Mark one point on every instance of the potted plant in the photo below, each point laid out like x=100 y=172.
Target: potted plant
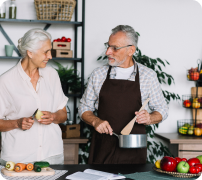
x=69 y=79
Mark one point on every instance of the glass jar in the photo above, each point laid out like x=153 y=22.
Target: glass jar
x=3 y=11
x=12 y=10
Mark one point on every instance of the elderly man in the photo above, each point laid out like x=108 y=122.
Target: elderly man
x=117 y=91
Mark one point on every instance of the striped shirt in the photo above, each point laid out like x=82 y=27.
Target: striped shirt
x=149 y=88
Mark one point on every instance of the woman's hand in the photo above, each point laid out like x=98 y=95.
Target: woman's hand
x=25 y=123
x=47 y=118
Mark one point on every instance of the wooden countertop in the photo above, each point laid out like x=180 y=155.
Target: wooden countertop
x=175 y=138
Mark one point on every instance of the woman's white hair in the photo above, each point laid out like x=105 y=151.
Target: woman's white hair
x=31 y=40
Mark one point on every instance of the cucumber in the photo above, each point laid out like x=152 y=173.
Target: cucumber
x=42 y=164
x=37 y=168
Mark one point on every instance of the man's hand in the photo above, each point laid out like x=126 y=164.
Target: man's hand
x=47 y=118
x=102 y=127
x=25 y=123
x=143 y=117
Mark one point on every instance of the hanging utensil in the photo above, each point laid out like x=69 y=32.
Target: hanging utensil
x=127 y=129
x=199 y=63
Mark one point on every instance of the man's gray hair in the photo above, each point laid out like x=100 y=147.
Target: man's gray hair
x=129 y=31
x=31 y=40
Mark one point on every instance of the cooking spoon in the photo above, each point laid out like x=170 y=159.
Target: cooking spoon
x=127 y=129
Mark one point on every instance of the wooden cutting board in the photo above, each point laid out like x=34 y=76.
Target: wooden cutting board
x=44 y=172
x=197 y=111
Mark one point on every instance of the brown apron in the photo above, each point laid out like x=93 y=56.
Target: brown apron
x=118 y=101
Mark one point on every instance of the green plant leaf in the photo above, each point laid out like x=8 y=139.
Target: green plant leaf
x=105 y=57
x=159 y=60
x=159 y=68
x=99 y=58
x=137 y=33
x=169 y=81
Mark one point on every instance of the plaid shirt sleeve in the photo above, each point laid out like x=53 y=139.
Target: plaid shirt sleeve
x=150 y=88
x=157 y=102
x=90 y=98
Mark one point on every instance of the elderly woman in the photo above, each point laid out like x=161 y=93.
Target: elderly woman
x=28 y=86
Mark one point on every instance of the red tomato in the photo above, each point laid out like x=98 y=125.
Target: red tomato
x=55 y=40
x=59 y=45
x=192 y=170
x=184 y=159
x=197 y=169
x=178 y=159
x=63 y=38
x=199 y=165
x=68 y=40
x=58 y=40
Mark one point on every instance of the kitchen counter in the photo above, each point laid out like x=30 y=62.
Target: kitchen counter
x=182 y=146
x=115 y=168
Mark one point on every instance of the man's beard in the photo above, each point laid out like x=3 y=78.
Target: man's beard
x=116 y=63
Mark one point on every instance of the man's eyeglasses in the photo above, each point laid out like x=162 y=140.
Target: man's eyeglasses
x=114 y=48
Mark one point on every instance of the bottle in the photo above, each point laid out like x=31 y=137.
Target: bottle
x=12 y=10
x=3 y=10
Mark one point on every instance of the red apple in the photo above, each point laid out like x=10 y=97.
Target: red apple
x=178 y=159
x=193 y=161
x=55 y=40
x=184 y=159
x=58 y=40
x=168 y=164
x=199 y=165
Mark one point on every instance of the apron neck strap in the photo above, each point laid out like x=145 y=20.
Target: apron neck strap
x=108 y=73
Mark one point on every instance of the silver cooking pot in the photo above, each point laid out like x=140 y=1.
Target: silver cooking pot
x=132 y=140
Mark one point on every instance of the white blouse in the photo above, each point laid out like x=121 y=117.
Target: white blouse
x=18 y=99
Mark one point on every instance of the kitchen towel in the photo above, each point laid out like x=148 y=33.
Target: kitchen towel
x=57 y=174
x=154 y=175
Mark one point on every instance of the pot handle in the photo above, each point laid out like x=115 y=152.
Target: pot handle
x=115 y=134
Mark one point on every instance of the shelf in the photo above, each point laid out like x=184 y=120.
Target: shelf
x=17 y=57
x=77 y=25
x=42 y=21
x=191 y=107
